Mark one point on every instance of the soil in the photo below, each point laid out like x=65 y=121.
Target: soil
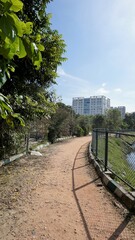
x=58 y=196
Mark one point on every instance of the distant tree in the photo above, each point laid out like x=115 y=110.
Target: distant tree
x=99 y=121
x=113 y=119
x=85 y=122
x=79 y=132
x=130 y=120
x=62 y=122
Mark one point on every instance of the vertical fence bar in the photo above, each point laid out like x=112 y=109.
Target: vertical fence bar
x=106 y=150
x=96 y=131
x=92 y=143
x=27 y=144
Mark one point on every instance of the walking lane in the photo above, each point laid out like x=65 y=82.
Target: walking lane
x=68 y=200
x=101 y=218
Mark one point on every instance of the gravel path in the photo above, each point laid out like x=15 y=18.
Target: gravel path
x=58 y=196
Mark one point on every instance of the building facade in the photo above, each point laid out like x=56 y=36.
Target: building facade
x=78 y=105
x=91 y=106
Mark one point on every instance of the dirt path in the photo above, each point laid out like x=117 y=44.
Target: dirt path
x=59 y=197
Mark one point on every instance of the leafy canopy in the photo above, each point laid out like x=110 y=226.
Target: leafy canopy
x=15 y=38
x=29 y=55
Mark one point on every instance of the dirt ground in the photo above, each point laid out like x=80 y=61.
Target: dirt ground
x=58 y=196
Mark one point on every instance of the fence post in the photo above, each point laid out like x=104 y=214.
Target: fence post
x=27 y=144
x=106 y=150
x=96 y=142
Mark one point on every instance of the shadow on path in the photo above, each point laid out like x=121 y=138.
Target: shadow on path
x=121 y=227
x=75 y=189
x=74 y=192
x=118 y=229
x=81 y=166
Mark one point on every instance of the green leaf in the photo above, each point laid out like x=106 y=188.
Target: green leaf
x=31 y=102
x=38 y=38
x=21 y=49
x=6 y=5
x=5 y=106
x=17 y=5
x=41 y=47
x=29 y=28
x=3 y=97
x=4 y=1
x=17 y=115
x=37 y=59
x=14 y=48
x=3 y=114
x=3 y=79
x=11 y=68
x=7 y=29
x=7 y=72
x=9 y=121
x=17 y=24
x=34 y=47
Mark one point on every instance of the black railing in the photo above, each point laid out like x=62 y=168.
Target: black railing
x=20 y=144
x=115 y=151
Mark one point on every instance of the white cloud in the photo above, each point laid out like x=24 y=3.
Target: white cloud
x=103 y=84
x=102 y=91
x=61 y=72
x=118 y=90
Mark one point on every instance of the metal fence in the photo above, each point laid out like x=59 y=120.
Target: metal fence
x=19 y=143
x=115 y=151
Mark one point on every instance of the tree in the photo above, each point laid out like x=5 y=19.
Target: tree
x=15 y=38
x=29 y=55
x=62 y=122
x=27 y=80
x=79 y=132
x=130 y=120
x=85 y=123
x=99 y=121
x=113 y=119
x=15 y=41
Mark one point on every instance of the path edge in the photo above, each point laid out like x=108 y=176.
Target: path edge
x=127 y=198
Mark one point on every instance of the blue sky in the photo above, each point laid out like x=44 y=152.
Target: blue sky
x=100 y=39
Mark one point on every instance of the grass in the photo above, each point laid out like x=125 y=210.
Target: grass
x=118 y=148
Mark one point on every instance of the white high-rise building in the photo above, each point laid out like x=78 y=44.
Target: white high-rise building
x=91 y=106
x=78 y=105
